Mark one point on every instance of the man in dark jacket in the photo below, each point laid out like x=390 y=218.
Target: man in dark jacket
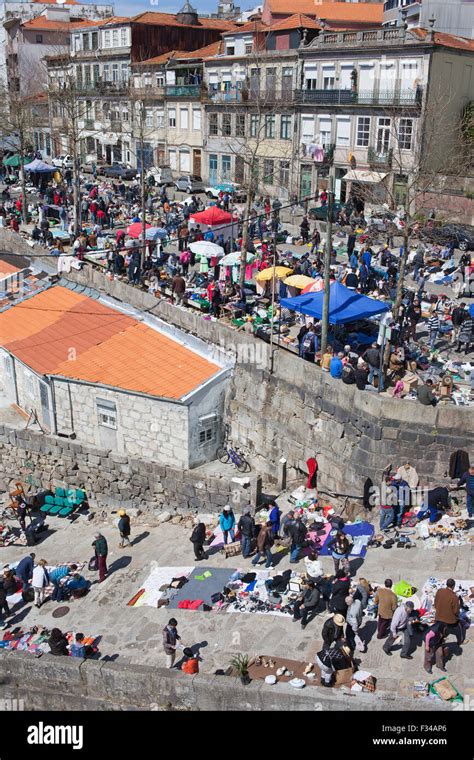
x=458 y=316
x=101 y=551
x=124 y=529
x=287 y=522
x=198 y=536
x=333 y=630
x=425 y=394
x=447 y=607
x=468 y=479
x=24 y=571
x=297 y=532
x=264 y=544
x=306 y=604
x=246 y=526
x=170 y=641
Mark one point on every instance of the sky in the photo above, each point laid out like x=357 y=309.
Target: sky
x=130 y=8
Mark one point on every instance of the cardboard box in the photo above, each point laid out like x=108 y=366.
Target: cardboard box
x=410 y=382
x=343 y=676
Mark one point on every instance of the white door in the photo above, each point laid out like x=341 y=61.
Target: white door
x=366 y=82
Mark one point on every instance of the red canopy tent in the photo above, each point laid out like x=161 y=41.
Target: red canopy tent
x=212 y=217
x=135 y=230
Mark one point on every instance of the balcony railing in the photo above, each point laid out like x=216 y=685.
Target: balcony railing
x=387 y=98
x=240 y=94
x=183 y=90
x=102 y=86
x=379 y=158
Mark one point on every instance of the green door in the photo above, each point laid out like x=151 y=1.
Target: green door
x=306 y=175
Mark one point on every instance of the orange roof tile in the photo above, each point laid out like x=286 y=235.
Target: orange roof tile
x=6 y=269
x=41 y=22
x=158 y=59
x=60 y=332
x=362 y=12
x=297 y=21
x=169 y=19
x=446 y=40
x=209 y=50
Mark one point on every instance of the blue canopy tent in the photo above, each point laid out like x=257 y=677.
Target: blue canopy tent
x=40 y=167
x=345 y=305
x=471 y=310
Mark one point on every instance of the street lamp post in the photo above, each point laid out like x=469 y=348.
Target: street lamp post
x=327 y=264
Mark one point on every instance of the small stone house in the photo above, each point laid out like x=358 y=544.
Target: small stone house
x=112 y=379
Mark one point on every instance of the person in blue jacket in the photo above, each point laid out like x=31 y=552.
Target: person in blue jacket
x=227 y=523
x=274 y=518
x=24 y=571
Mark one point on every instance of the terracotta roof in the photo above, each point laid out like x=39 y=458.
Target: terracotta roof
x=169 y=19
x=362 y=12
x=108 y=21
x=41 y=22
x=110 y=347
x=446 y=40
x=297 y=21
x=250 y=26
x=213 y=49
x=6 y=269
x=158 y=59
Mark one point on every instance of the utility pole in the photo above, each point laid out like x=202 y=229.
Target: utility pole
x=327 y=264
x=272 y=325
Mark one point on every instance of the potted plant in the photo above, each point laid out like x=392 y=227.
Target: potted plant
x=240 y=663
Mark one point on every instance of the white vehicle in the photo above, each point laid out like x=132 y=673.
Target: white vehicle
x=162 y=176
x=63 y=162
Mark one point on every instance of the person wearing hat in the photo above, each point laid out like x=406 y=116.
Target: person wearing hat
x=227 y=523
x=246 y=526
x=331 y=659
x=124 y=529
x=191 y=663
x=333 y=629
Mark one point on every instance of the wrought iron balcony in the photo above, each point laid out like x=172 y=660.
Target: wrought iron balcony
x=183 y=90
x=379 y=158
x=389 y=98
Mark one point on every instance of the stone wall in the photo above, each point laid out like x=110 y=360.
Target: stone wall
x=116 y=480
x=67 y=683
x=298 y=411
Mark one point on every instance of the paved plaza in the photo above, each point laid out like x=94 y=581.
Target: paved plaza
x=133 y=635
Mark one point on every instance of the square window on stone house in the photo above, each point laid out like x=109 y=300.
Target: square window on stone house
x=207 y=429
x=106 y=413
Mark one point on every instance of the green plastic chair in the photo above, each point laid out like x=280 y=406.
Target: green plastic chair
x=59 y=501
x=71 y=494
x=56 y=509
x=80 y=495
x=60 y=492
x=49 y=499
x=65 y=512
x=45 y=508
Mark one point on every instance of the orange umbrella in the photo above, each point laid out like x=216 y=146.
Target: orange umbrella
x=314 y=287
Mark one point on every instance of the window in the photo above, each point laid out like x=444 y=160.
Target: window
x=147 y=80
x=248 y=48
x=125 y=72
x=95 y=72
x=125 y=116
x=213 y=168
x=107 y=39
x=123 y=38
x=230 y=49
x=172 y=159
x=287 y=81
x=77 y=42
x=383 y=135
x=115 y=37
x=285 y=174
x=30 y=388
x=184 y=161
x=183 y=118
x=115 y=72
x=87 y=74
x=95 y=40
x=268 y=169
x=343 y=132
x=207 y=429
x=254 y=82
x=253 y=124
x=270 y=82
x=172 y=117
x=160 y=80
x=213 y=125
x=405 y=134
x=240 y=125
x=329 y=77
x=85 y=42
x=39 y=39
x=148 y=117
x=363 y=131
x=285 y=127
x=106 y=413
x=160 y=119
x=197 y=119
x=226 y=124
x=226 y=172
x=311 y=76
x=270 y=126
x=307 y=129
x=106 y=72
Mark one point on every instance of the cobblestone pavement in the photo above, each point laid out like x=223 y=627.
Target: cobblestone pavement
x=134 y=635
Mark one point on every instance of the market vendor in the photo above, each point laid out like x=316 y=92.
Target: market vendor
x=436 y=502
x=330 y=660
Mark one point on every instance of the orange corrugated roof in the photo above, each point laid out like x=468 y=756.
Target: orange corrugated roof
x=41 y=22
x=209 y=50
x=60 y=332
x=297 y=21
x=446 y=40
x=169 y=19
x=157 y=59
x=6 y=268
x=363 y=12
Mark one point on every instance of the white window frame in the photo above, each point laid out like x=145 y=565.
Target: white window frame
x=401 y=138
x=172 y=118
x=343 y=141
x=365 y=132
x=184 y=118
x=106 y=413
x=197 y=119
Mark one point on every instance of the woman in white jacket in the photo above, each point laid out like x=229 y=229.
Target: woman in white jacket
x=40 y=581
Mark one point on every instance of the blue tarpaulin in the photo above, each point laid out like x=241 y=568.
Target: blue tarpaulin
x=345 y=305
x=360 y=532
x=471 y=310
